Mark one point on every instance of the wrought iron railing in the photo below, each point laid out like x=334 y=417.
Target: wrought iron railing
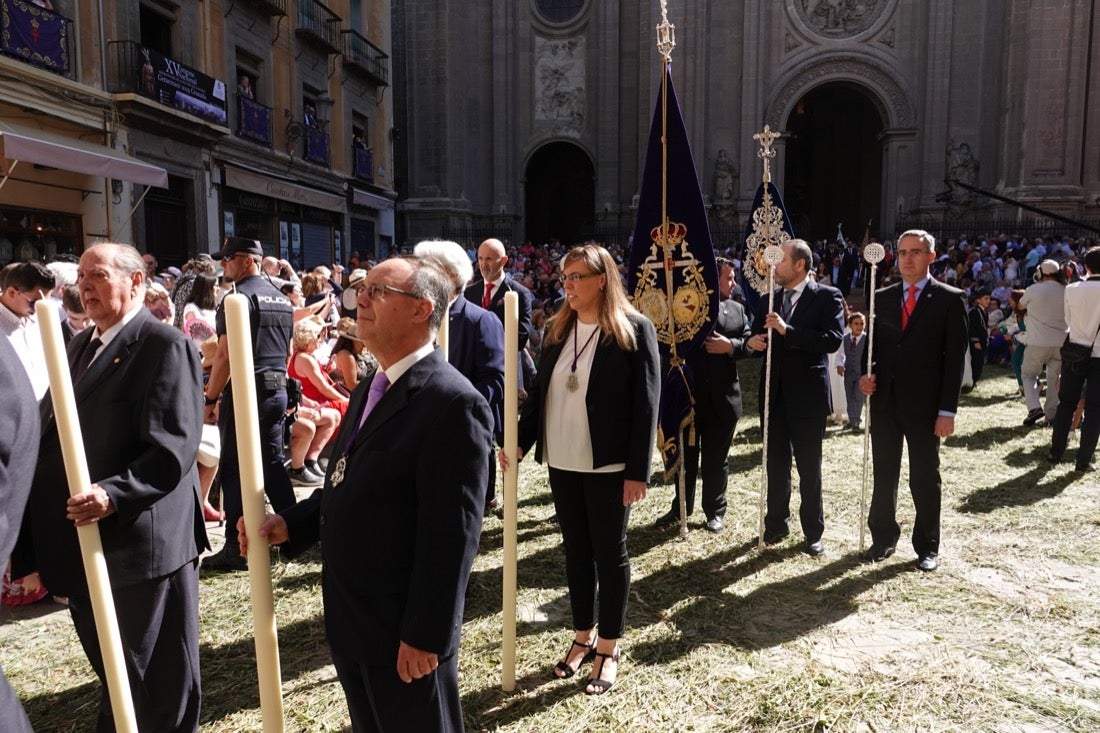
x=37 y=36
x=318 y=24
x=948 y=227
x=361 y=54
x=271 y=7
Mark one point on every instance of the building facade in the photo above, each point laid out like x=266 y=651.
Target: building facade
x=171 y=124
x=529 y=119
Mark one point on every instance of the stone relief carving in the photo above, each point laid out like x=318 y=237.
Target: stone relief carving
x=790 y=42
x=839 y=18
x=560 y=82
x=887 y=38
x=889 y=97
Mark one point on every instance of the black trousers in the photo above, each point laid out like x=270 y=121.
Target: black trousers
x=379 y=702
x=713 y=437
x=1074 y=381
x=889 y=427
x=977 y=362
x=593 y=530
x=800 y=439
x=158 y=621
x=271 y=406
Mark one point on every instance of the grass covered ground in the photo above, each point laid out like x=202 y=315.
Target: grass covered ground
x=722 y=637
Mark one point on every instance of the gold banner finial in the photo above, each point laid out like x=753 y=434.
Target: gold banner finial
x=666 y=34
x=766 y=151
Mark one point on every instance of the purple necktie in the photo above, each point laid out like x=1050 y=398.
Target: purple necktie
x=378 y=388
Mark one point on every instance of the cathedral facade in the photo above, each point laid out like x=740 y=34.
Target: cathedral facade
x=528 y=119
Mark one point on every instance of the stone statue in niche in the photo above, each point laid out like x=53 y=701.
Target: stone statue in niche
x=961 y=167
x=725 y=177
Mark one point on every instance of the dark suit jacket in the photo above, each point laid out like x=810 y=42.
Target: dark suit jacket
x=800 y=359
x=717 y=388
x=475 y=347
x=18 y=448
x=399 y=534
x=475 y=291
x=624 y=388
x=978 y=326
x=920 y=370
x=140 y=408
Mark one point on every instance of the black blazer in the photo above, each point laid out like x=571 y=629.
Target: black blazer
x=716 y=386
x=800 y=359
x=140 y=410
x=475 y=292
x=624 y=388
x=399 y=533
x=18 y=448
x=978 y=326
x=921 y=370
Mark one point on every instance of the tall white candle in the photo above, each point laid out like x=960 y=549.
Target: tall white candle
x=511 y=481
x=443 y=336
x=247 y=422
x=91 y=545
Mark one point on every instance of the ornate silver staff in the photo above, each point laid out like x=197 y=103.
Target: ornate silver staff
x=773 y=255
x=874 y=253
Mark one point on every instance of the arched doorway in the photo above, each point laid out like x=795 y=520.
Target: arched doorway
x=833 y=170
x=561 y=194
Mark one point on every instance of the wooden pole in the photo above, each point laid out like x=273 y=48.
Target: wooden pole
x=247 y=423
x=91 y=545
x=511 y=483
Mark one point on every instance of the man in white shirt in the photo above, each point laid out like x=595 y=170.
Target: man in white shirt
x=1044 y=303
x=24 y=285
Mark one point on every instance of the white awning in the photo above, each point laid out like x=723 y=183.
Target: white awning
x=18 y=142
x=362 y=198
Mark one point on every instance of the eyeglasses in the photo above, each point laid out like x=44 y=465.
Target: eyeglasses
x=376 y=291
x=31 y=301
x=576 y=277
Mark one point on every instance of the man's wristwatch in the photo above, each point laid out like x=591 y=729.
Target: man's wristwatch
x=210 y=400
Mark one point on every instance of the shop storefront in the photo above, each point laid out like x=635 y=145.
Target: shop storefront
x=294 y=222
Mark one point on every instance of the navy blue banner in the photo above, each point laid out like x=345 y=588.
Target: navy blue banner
x=768 y=225
x=171 y=83
x=35 y=34
x=673 y=276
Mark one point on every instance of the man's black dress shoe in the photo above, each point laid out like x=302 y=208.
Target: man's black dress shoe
x=815 y=549
x=668 y=519
x=774 y=538
x=928 y=563
x=878 y=553
x=714 y=524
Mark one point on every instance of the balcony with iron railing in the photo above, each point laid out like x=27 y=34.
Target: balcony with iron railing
x=254 y=121
x=37 y=36
x=316 y=146
x=138 y=69
x=271 y=7
x=362 y=55
x=318 y=25
x=362 y=164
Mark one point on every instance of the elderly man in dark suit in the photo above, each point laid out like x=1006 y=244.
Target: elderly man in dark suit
x=18 y=448
x=717 y=406
x=475 y=343
x=400 y=514
x=808 y=327
x=914 y=383
x=138 y=389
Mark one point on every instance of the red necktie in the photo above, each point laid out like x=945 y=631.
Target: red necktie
x=488 y=296
x=907 y=309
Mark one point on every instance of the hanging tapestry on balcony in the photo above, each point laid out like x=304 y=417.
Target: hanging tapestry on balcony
x=35 y=35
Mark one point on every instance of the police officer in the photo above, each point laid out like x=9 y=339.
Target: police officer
x=271 y=316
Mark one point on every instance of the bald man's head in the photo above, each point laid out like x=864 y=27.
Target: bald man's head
x=491 y=259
